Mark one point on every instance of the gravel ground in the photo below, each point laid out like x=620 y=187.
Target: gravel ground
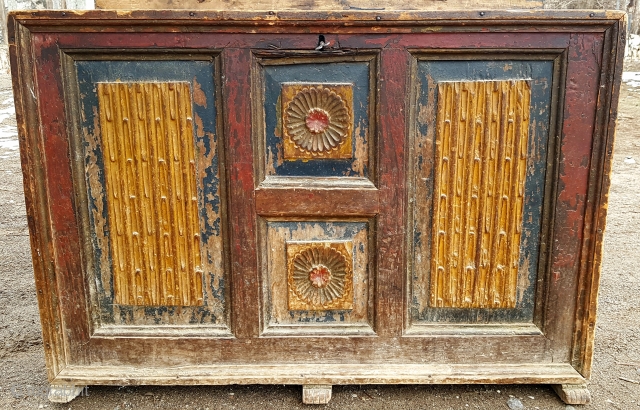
x=617 y=352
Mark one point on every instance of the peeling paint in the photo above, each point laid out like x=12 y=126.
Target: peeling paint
x=361 y=151
x=275 y=280
x=215 y=309
x=199 y=126
x=199 y=97
x=429 y=74
x=352 y=75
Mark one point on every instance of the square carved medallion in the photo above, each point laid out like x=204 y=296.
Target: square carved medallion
x=320 y=275
x=317 y=121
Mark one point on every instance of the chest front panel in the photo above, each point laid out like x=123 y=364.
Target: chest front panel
x=407 y=197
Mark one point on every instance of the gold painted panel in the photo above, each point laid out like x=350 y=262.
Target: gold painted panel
x=480 y=171
x=320 y=275
x=148 y=146
x=317 y=121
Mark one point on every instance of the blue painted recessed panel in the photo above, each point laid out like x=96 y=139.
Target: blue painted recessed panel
x=200 y=74
x=354 y=73
x=540 y=74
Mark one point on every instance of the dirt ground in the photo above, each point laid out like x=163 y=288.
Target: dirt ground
x=617 y=352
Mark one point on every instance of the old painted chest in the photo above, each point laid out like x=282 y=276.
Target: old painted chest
x=317 y=198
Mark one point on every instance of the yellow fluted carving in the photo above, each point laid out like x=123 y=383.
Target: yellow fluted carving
x=148 y=147
x=480 y=171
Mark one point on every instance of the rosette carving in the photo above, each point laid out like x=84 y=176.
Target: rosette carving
x=320 y=276
x=317 y=121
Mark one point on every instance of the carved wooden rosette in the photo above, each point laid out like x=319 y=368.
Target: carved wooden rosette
x=317 y=121
x=320 y=275
x=480 y=172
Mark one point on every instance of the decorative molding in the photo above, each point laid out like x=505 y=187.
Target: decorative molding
x=320 y=275
x=480 y=171
x=317 y=121
x=152 y=200
x=243 y=5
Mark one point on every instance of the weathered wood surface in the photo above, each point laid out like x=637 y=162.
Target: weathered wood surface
x=237 y=127
x=314 y=5
x=300 y=22
x=393 y=110
x=373 y=209
x=291 y=306
x=601 y=164
x=304 y=201
x=573 y=393
x=391 y=373
x=85 y=73
x=36 y=203
x=316 y=393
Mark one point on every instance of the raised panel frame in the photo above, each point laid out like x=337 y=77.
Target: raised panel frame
x=363 y=160
x=558 y=59
x=308 y=200
x=138 y=320
x=353 y=318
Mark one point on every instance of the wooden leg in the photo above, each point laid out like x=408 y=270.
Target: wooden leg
x=573 y=393
x=316 y=393
x=64 y=394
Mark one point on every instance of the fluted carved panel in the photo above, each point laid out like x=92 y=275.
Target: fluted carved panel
x=148 y=147
x=480 y=172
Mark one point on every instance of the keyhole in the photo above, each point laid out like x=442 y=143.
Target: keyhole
x=322 y=43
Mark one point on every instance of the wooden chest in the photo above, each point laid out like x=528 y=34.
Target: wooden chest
x=317 y=198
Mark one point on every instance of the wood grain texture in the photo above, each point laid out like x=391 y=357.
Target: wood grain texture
x=573 y=173
x=149 y=160
x=321 y=373
x=63 y=244
x=573 y=393
x=305 y=201
x=499 y=34
x=308 y=5
x=36 y=201
x=418 y=22
x=316 y=393
x=598 y=196
x=245 y=317
x=341 y=346
x=481 y=159
x=392 y=113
